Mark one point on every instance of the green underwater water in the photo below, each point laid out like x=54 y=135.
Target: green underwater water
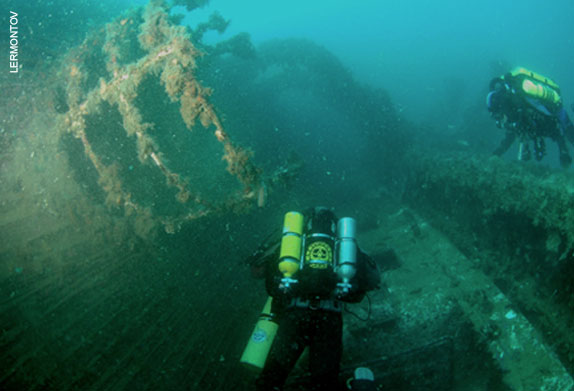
x=97 y=297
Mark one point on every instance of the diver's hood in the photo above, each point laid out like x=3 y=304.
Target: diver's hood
x=321 y=220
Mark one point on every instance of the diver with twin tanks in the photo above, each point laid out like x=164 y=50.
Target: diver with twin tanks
x=529 y=107
x=309 y=273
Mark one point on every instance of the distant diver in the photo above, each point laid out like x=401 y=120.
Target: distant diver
x=529 y=106
x=311 y=268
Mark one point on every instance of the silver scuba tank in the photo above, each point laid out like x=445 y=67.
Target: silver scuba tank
x=346 y=253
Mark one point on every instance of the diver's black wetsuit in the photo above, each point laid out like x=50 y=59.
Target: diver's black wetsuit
x=309 y=314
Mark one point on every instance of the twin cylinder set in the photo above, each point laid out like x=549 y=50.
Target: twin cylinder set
x=291 y=254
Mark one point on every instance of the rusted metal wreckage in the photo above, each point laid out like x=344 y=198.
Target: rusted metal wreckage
x=108 y=71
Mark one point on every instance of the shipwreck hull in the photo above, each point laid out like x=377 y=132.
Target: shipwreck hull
x=514 y=222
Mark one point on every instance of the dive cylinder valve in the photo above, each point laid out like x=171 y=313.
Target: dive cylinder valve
x=347 y=253
x=259 y=344
x=291 y=244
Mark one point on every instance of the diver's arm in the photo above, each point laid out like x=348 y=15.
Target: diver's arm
x=505 y=143
x=261 y=259
x=265 y=253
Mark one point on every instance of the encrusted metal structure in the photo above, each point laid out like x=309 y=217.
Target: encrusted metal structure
x=108 y=75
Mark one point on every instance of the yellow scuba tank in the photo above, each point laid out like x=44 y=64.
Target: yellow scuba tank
x=520 y=71
x=261 y=339
x=540 y=91
x=291 y=244
x=537 y=85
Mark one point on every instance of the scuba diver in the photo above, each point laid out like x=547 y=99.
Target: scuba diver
x=529 y=106
x=314 y=268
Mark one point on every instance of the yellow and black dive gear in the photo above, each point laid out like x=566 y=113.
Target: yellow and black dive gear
x=291 y=244
x=537 y=86
x=314 y=252
x=261 y=339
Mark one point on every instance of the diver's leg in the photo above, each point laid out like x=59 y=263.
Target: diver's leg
x=505 y=143
x=285 y=351
x=539 y=148
x=325 y=350
x=566 y=125
x=565 y=159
